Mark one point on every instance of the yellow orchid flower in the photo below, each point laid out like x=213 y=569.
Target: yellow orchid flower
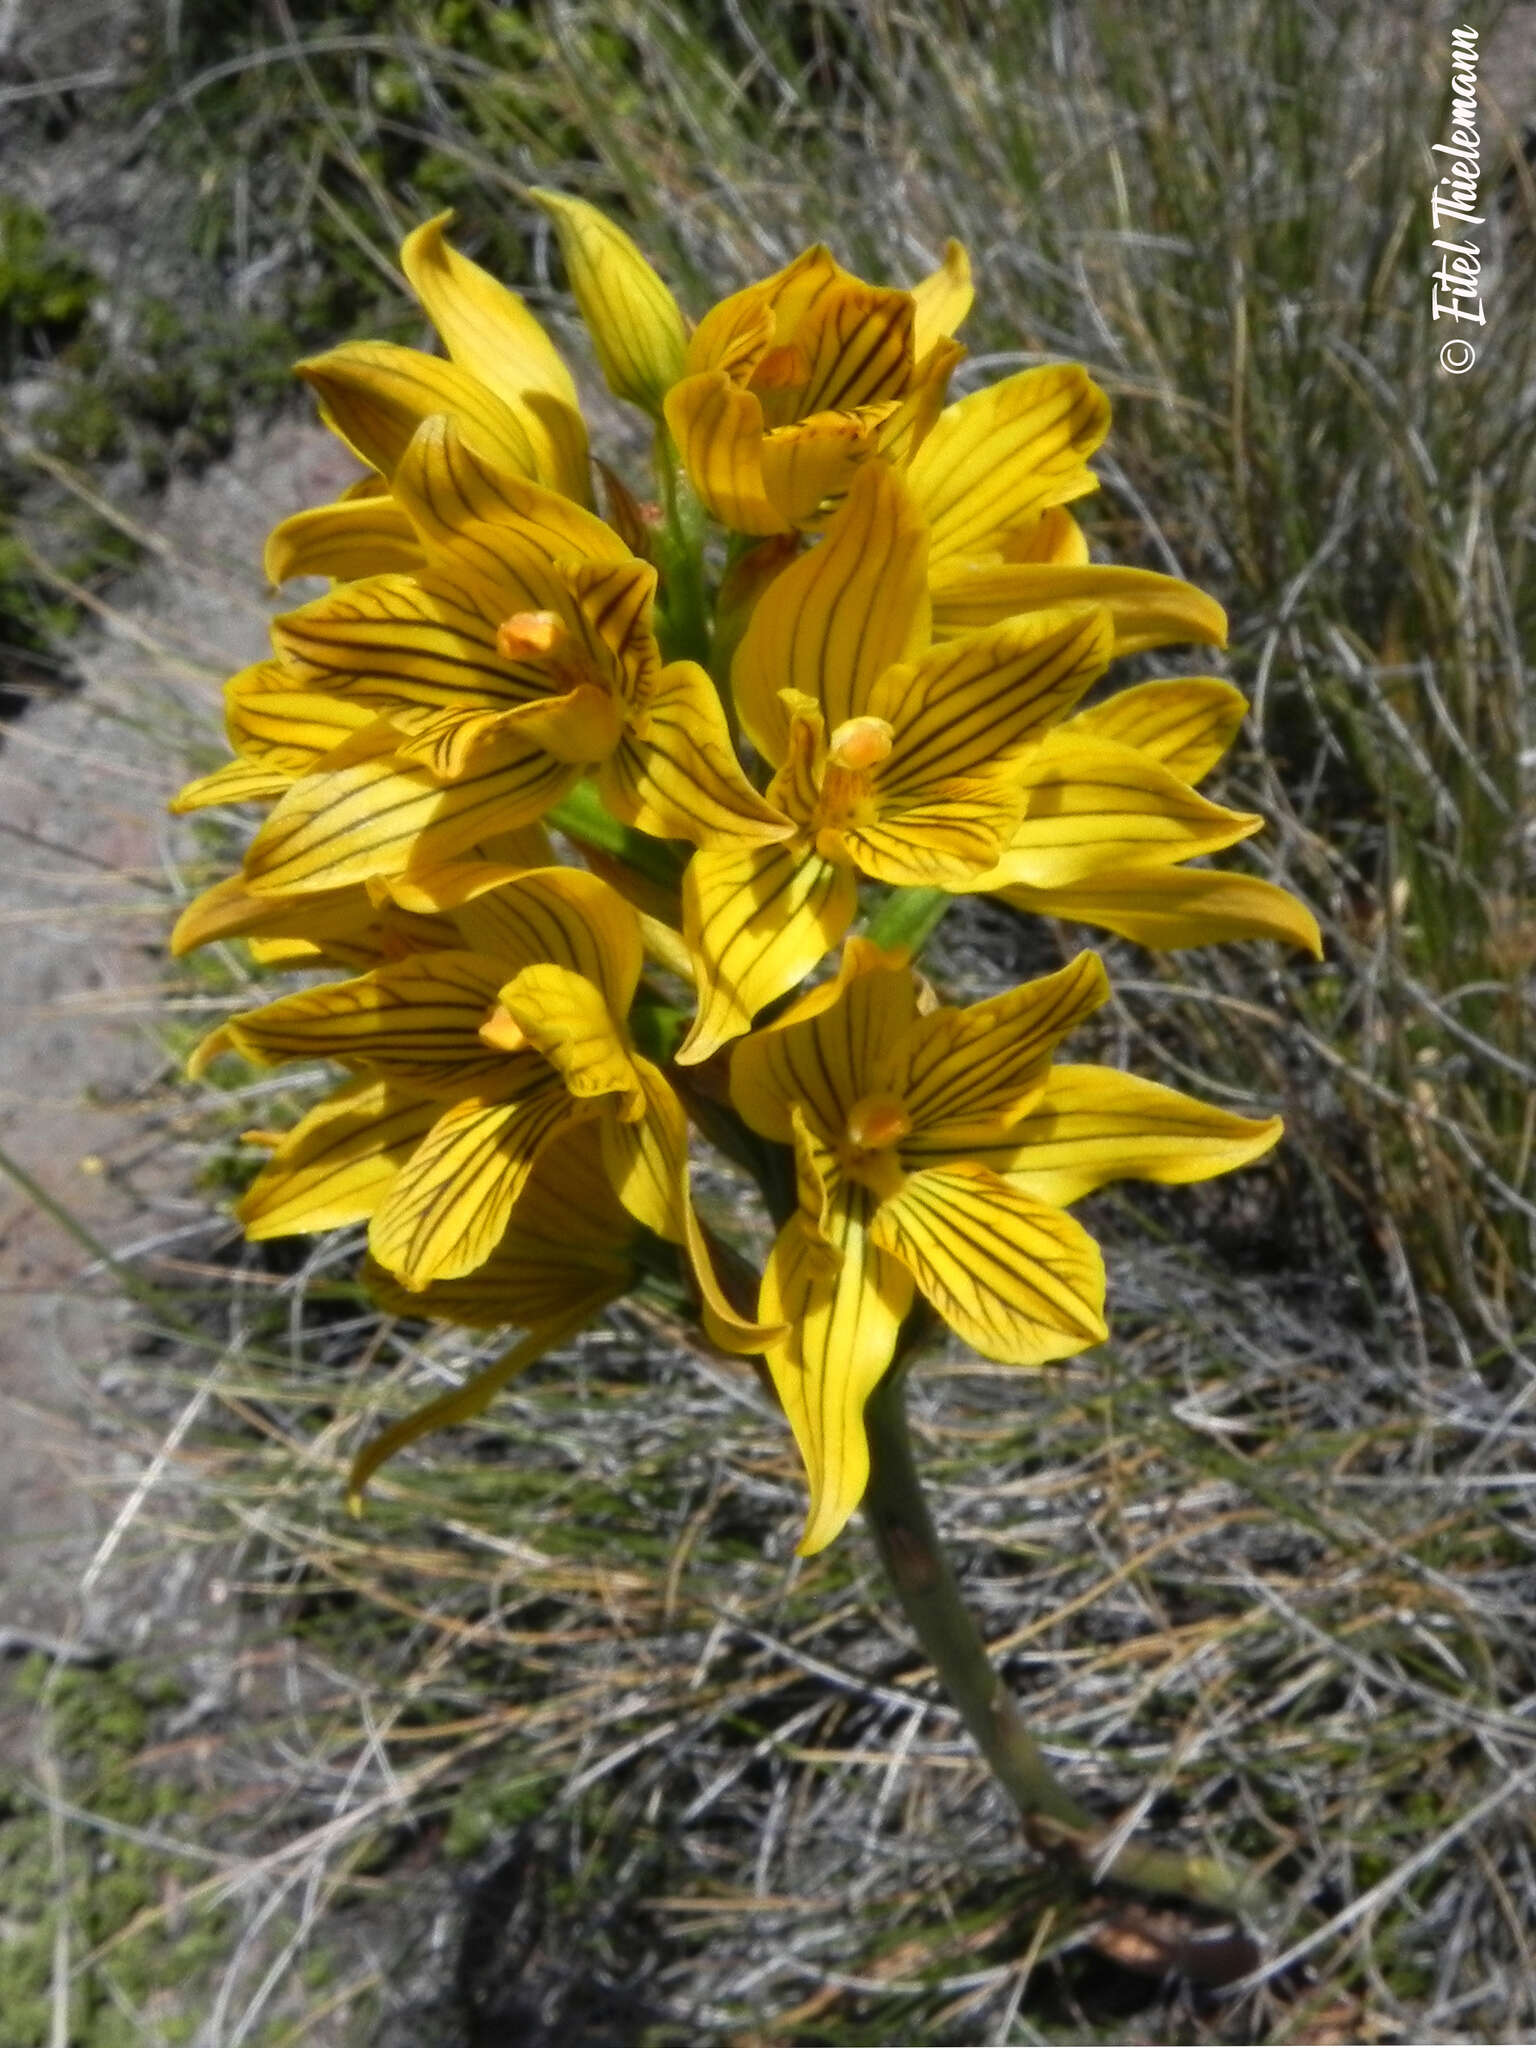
x=934 y=1155
x=521 y=657
x=1110 y=811
x=484 y=1058
x=789 y=386
x=569 y=1250
x=909 y=621
x=896 y=759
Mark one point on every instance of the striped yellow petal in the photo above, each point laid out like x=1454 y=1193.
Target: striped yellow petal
x=237 y=782
x=271 y=718
x=719 y=429
x=391 y=934
x=569 y=1221
x=840 y=1335
x=937 y=838
x=484 y=521
x=376 y=395
x=856 y=344
x=579 y=727
x=334 y=1166
x=358 y=537
x=371 y=817
x=818 y=1179
x=1094 y=1124
x=416 y=1020
x=391 y=641
x=1092 y=805
x=1167 y=909
x=611 y=607
x=229 y=910
x=637 y=331
x=1146 y=609
x=448 y=1207
x=553 y=914
x=1014 y=1277
x=1186 y=723
x=733 y=336
x=582 y=726
x=675 y=774
x=999 y=457
x=839 y=616
x=491 y=333
x=959 y=1073
x=968 y=704
x=942 y=299
x=826 y=1051
x=756 y=919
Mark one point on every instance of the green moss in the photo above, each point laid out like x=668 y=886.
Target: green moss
x=489 y=1805
x=46 y=290
x=100 y=1724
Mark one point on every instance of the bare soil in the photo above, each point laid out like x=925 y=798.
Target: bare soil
x=89 y=885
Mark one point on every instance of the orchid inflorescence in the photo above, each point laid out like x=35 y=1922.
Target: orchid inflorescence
x=534 y=769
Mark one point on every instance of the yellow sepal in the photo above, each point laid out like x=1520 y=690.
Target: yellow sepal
x=491 y=333
x=357 y=537
x=414 y=1021
x=1092 y=805
x=1169 y=908
x=942 y=299
x=1187 y=722
x=1092 y=1125
x=841 y=1327
x=1146 y=609
x=372 y=817
x=839 y=616
x=375 y=395
x=719 y=431
x=757 y=918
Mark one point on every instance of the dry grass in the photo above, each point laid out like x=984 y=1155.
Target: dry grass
x=560 y=1743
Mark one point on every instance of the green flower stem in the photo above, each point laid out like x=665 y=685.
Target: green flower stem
x=1054 y=1822
x=686 y=608
x=909 y=917
x=583 y=816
